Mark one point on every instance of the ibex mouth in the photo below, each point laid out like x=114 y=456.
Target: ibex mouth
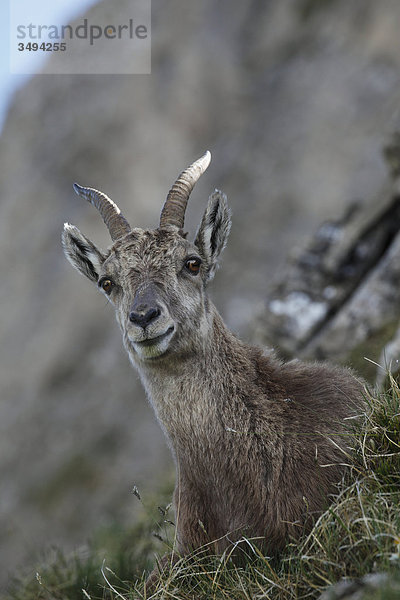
x=155 y=346
x=157 y=339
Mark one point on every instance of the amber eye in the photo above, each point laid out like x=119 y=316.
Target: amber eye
x=106 y=285
x=193 y=265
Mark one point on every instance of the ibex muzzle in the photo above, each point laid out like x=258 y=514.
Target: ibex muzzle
x=145 y=308
x=150 y=328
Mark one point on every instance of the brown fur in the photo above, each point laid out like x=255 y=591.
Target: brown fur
x=252 y=440
x=258 y=444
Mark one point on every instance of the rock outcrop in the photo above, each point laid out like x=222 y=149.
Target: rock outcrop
x=339 y=297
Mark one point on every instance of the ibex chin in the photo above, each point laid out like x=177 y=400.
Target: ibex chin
x=258 y=444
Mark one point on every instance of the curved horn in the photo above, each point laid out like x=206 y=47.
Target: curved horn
x=117 y=225
x=173 y=212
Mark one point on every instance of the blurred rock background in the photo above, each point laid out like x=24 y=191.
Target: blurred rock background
x=294 y=98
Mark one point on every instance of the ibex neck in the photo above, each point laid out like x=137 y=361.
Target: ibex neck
x=191 y=395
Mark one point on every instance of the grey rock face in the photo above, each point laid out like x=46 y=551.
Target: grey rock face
x=292 y=103
x=373 y=585
x=342 y=287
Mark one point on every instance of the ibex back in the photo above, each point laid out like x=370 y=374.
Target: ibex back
x=258 y=444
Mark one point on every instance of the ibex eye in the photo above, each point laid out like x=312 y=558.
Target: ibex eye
x=193 y=265
x=106 y=285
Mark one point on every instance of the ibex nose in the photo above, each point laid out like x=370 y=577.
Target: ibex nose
x=144 y=316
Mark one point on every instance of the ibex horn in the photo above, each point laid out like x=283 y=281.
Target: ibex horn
x=116 y=224
x=173 y=212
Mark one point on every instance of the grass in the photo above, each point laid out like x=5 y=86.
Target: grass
x=113 y=550
x=359 y=534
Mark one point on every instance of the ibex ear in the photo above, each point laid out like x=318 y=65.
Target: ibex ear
x=213 y=232
x=81 y=252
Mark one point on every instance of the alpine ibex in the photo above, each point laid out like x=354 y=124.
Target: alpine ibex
x=258 y=444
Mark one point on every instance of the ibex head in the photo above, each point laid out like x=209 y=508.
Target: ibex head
x=155 y=278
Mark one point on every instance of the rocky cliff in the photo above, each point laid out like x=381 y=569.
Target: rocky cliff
x=293 y=98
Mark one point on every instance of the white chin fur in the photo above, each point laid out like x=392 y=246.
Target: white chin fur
x=147 y=351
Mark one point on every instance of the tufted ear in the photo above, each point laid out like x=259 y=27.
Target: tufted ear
x=213 y=232
x=81 y=252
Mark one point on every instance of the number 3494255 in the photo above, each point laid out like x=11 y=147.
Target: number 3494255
x=44 y=46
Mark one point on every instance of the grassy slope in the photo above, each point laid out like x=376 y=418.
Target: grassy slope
x=359 y=534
